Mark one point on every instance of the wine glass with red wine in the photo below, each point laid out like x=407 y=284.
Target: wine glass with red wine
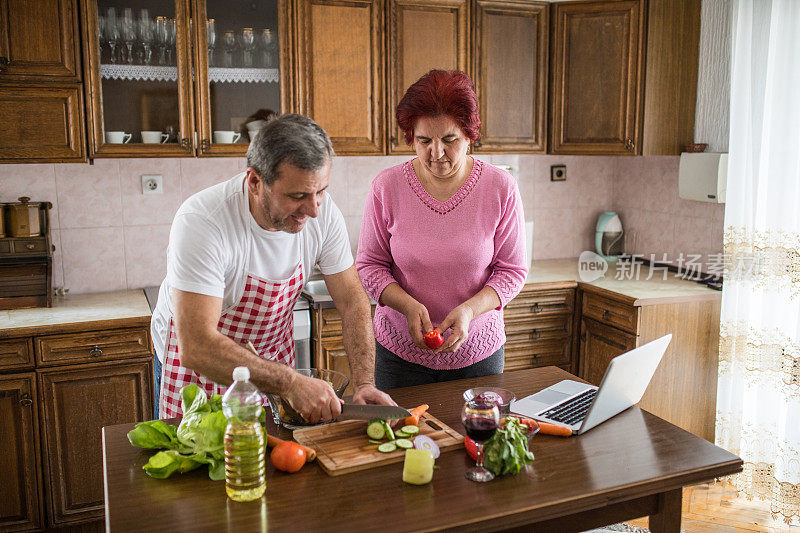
x=480 y=419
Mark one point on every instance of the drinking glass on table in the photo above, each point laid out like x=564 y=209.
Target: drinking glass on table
x=480 y=419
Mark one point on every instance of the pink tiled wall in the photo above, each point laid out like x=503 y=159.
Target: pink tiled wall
x=109 y=236
x=658 y=223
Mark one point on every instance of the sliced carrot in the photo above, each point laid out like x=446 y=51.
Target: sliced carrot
x=273 y=441
x=416 y=412
x=544 y=427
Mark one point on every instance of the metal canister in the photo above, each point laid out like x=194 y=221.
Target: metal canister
x=24 y=219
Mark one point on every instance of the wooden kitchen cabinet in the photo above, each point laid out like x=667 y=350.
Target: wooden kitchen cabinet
x=20 y=465
x=38 y=41
x=539 y=328
x=59 y=385
x=600 y=343
x=217 y=70
x=41 y=123
x=596 y=77
x=76 y=403
x=683 y=388
x=623 y=77
x=340 y=74
x=422 y=35
x=327 y=343
x=41 y=106
x=510 y=49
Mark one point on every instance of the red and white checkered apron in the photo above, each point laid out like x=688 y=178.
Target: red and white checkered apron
x=262 y=316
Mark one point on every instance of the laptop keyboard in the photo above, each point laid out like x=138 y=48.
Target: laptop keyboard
x=572 y=411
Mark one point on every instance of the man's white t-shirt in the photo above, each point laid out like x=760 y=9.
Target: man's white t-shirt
x=208 y=250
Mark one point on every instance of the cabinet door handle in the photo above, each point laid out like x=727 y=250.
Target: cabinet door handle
x=605 y=314
x=185 y=143
x=583 y=337
x=393 y=139
x=629 y=145
x=534 y=334
x=3 y=63
x=26 y=401
x=95 y=351
x=535 y=308
x=477 y=143
x=205 y=145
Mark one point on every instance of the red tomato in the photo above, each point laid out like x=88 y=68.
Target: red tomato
x=434 y=339
x=288 y=456
x=472 y=448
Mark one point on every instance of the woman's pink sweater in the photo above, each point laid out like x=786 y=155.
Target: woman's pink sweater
x=442 y=254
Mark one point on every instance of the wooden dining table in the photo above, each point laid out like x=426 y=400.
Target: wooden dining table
x=633 y=465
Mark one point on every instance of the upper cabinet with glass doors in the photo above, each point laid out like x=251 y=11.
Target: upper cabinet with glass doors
x=183 y=77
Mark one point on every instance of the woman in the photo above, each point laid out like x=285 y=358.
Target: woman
x=441 y=244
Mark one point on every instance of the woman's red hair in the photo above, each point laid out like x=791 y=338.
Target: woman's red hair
x=437 y=93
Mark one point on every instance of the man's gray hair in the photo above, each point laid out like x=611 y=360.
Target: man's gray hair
x=293 y=138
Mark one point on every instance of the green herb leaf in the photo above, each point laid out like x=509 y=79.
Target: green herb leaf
x=507 y=451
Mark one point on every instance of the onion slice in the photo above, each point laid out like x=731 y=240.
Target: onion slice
x=424 y=442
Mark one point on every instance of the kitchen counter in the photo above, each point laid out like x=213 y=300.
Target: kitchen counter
x=632 y=465
x=76 y=311
x=622 y=280
x=632 y=284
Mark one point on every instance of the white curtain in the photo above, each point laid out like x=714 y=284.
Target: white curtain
x=758 y=396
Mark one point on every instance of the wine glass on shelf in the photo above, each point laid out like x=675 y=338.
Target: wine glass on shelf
x=160 y=30
x=247 y=40
x=146 y=32
x=266 y=41
x=170 y=39
x=211 y=39
x=229 y=42
x=111 y=33
x=128 y=30
x=101 y=35
x=480 y=419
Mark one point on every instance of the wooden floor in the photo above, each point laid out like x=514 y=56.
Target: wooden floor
x=717 y=508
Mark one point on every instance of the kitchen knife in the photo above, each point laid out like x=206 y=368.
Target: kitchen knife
x=351 y=411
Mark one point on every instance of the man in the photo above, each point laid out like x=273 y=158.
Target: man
x=238 y=257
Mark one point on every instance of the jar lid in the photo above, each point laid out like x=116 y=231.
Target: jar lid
x=24 y=200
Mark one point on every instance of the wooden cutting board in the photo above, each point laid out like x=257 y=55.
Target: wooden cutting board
x=342 y=447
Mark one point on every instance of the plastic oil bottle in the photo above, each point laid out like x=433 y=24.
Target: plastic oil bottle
x=244 y=441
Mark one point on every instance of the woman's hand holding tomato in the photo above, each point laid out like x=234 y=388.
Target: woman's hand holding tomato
x=419 y=322
x=458 y=322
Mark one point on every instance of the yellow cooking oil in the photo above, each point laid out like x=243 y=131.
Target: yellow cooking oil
x=244 y=461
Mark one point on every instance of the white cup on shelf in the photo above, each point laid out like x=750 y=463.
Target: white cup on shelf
x=118 y=137
x=154 y=137
x=226 y=137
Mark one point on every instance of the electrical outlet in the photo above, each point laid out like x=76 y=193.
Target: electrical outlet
x=558 y=173
x=152 y=184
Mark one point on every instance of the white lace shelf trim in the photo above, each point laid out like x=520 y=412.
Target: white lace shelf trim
x=168 y=73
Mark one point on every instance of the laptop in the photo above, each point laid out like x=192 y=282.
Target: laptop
x=580 y=406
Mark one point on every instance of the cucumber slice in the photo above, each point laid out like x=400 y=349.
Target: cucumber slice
x=372 y=441
x=376 y=429
x=411 y=430
x=387 y=447
x=388 y=430
x=400 y=434
x=404 y=443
